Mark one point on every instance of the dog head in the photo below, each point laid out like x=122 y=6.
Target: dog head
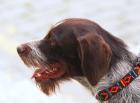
x=71 y=48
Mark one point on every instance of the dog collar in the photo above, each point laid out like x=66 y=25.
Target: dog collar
x=107 y=93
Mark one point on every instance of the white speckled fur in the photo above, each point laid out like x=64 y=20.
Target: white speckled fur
x=130 y=94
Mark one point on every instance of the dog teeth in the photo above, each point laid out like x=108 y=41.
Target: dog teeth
x=51 y=71
x=38 y=74
x=46 y=71
x=54 y=69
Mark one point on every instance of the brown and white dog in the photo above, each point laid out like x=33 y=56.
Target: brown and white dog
x=82 y=50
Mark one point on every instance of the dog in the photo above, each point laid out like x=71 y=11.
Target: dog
x=82 y=50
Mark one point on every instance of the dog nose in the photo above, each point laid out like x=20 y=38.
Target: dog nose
x=23 y=49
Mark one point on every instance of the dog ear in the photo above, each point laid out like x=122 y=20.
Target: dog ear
x=95 y=55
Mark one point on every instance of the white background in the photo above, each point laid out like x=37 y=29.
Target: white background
x=25 y=20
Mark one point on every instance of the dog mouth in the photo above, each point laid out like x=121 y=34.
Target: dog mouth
x=45 y=73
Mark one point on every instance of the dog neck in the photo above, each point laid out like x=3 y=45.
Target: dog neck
x=129 y=94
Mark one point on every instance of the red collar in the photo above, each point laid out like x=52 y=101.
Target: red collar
x=107 y=93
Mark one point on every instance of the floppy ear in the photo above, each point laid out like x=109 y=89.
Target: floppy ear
x=95 y=55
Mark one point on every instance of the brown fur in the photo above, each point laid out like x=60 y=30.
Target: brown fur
x=84 y=49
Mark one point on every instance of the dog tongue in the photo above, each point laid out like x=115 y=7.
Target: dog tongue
x=41 y=75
